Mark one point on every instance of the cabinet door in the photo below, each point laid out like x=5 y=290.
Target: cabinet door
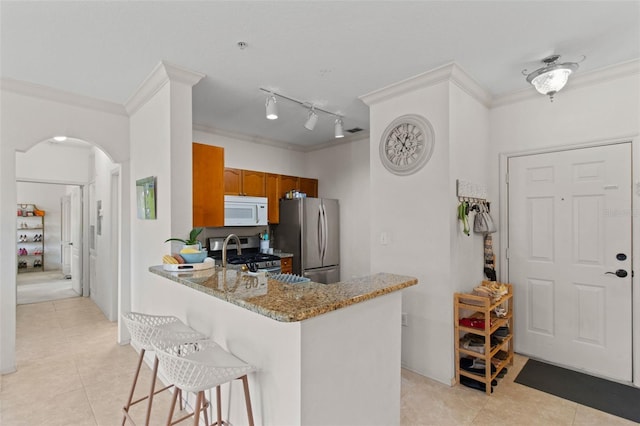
x=273 y=197
x=309 y=186
x=208 y=185
x=232 y=181
x=253 y=183
x=287 y=183
x=286 y=265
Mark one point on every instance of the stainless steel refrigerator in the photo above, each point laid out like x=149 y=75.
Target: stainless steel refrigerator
x=310 y=229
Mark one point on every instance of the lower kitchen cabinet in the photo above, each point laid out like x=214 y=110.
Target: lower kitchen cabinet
x=483 y=325
x=286 y=265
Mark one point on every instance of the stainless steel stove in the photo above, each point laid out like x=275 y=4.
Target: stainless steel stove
x=250 y=256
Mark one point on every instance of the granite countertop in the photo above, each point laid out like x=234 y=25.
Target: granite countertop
x=286 y=302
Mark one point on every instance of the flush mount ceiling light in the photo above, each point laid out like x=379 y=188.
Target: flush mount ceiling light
x=272 y=108
x=338 y=128
x=553 y=76
x=312 y=118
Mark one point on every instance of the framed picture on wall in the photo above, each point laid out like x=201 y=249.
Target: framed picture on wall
x=146 y=197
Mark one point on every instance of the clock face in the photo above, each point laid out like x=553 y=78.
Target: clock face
x=406 y=144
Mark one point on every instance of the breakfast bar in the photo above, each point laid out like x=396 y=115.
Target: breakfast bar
x=325 y=353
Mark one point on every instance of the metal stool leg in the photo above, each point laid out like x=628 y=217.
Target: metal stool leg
x=173 y=407
x=133 y=387
x=154 y=376
x=247 y=399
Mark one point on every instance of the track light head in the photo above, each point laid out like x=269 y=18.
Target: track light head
x=338 y=129
x=312 y=119
x=272 y=108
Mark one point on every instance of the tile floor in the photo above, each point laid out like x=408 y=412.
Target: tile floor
x=72 y=372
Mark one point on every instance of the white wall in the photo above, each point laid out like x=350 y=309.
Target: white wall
x=343 y=173
x=418 y=212
x=104 y=291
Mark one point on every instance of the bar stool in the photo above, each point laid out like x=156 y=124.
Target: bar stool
x=143 y=328
x=196 y=367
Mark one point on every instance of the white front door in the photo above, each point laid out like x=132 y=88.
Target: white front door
x=569 y=232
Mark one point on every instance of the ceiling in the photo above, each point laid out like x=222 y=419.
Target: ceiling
x=327 y=53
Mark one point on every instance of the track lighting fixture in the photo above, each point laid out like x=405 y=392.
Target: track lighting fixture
x=312 y=118
x=338 y=129
x=272 y=108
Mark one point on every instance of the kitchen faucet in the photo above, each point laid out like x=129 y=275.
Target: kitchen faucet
x=224 y=248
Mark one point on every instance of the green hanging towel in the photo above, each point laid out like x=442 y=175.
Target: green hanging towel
x=463 y=209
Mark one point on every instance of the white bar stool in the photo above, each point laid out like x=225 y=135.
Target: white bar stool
x=143 y=328
x=196 y=367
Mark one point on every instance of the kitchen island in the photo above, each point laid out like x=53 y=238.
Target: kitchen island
x=325 y=353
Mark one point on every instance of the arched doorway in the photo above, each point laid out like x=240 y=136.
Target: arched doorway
x=88 y=174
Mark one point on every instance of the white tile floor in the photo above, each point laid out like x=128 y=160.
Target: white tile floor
x=71 y=371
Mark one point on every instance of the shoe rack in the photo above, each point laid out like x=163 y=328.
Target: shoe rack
x=30 y=238
x=483 y=334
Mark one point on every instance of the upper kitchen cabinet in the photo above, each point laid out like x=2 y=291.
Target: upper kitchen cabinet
x=287 y=183
x=208 y=185
x=244 y=182
x=273 y=197
x=309 y=186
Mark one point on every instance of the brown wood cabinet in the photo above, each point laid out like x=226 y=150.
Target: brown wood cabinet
x=273 y=197
x=244 y=182
x=208 y=185
x=286 y=265
x=287 y=183
x=213 y=177
x=309 y=186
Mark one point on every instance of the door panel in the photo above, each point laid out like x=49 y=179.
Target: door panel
x=569 y=215
x=66 y=235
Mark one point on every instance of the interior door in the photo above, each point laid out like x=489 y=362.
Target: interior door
x=569 y=232
x=65 y=230
x=76 y=239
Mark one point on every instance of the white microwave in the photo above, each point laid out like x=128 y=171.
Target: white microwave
x=245 y=211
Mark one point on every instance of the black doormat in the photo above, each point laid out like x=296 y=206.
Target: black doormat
x=611 y=397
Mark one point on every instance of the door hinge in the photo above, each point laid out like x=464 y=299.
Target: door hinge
x=506 y=252
x=506 y=178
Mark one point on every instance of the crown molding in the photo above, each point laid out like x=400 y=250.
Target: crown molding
x=276 y=143
x=56 y=95
x=161 y=74
x=449 y=72
x=578 y=81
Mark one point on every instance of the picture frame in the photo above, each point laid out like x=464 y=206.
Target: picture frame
x=146 y=197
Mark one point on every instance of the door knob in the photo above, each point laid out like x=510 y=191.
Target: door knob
x=621 y=273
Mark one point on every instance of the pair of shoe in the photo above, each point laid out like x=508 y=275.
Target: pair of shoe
x=22 y=252
x=478 y=366
x=472 y=322
x=22 y=264
x=37 y=263
x=474 y=384
x=37 y=237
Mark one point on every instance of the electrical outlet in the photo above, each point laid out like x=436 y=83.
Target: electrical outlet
x=405 y=319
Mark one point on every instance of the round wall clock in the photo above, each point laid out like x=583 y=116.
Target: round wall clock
x=406 y=144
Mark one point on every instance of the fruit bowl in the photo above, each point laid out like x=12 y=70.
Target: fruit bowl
x=194 y=257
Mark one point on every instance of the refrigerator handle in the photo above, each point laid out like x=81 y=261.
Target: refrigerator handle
x=325 y=235
x=320 y=233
